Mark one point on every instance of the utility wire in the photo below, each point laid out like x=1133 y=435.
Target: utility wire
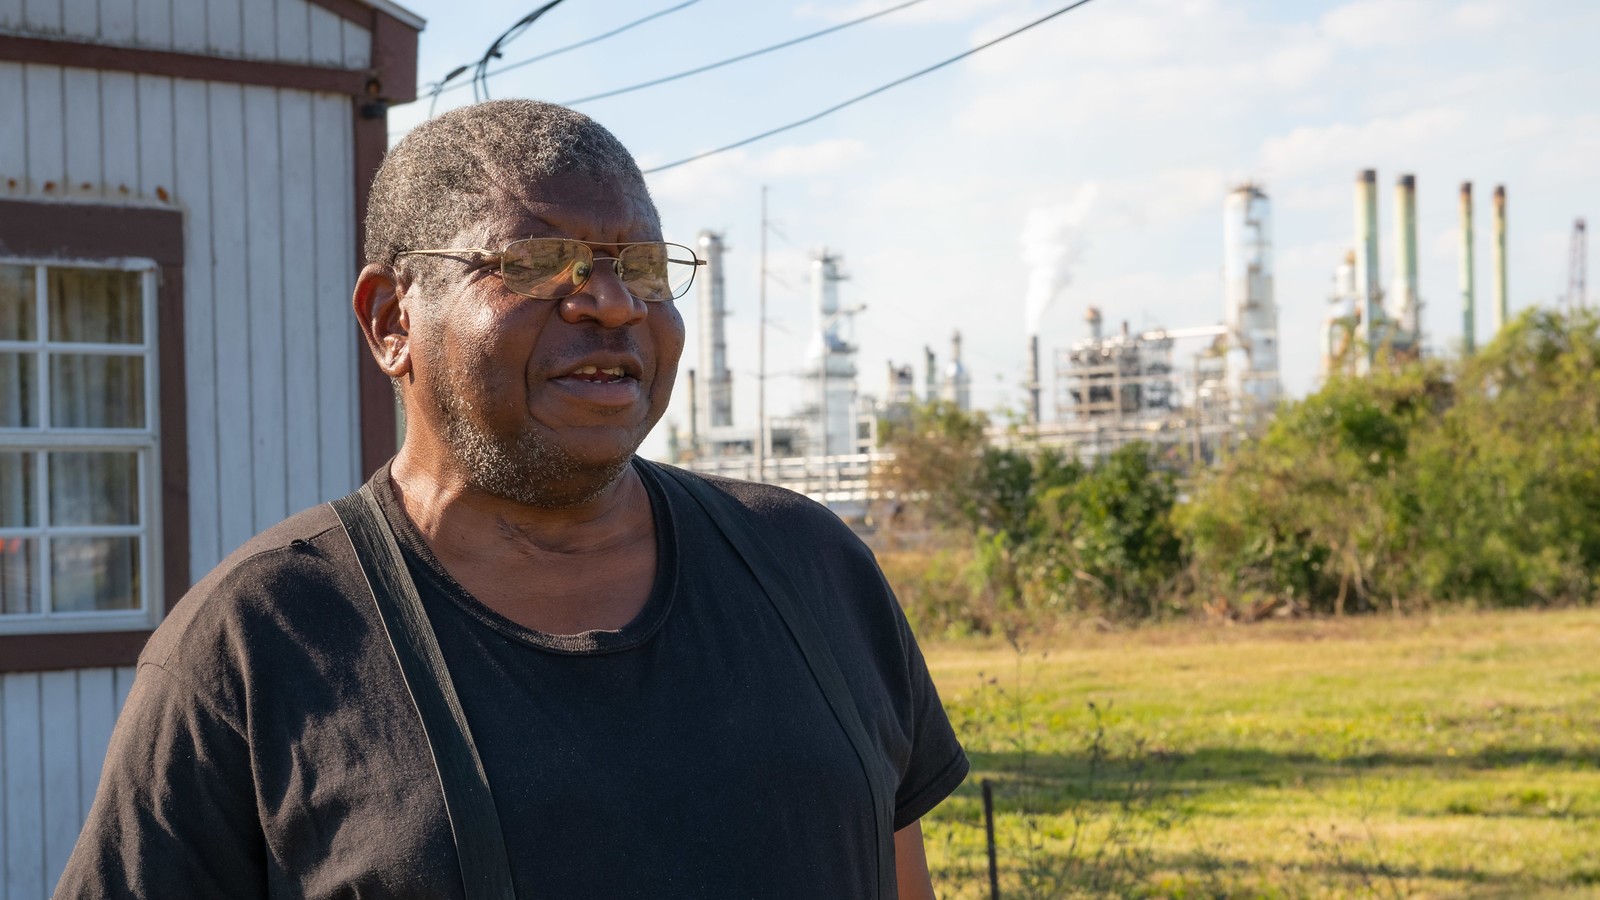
x=443 y=86
x=872 y=93
x=741 y=57
x=480 y=77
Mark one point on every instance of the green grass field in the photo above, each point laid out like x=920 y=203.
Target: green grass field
x=1452 y=756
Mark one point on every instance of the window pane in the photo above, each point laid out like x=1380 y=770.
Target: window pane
x=19 y=389
x=88 y=574
x=17 y=303
x=16 y=490
x=99 y=306
x=96 y=391
x=19 y=579
x=92 y=488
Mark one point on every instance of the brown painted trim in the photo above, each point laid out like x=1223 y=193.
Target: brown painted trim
x=354 y=82
x=53 y=652
x=394 y=59
x=375 y=396
x=92 y=231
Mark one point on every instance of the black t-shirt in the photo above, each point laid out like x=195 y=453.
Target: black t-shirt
x=269 y=748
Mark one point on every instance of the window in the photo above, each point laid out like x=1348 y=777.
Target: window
x=79 y=460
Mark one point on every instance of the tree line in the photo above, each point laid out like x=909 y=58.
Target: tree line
x=1469 y=481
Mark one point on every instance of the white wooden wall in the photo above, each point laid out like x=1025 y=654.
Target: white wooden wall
x=265 y=180
x=277 y=30
x=54 y=729
x=264 y=177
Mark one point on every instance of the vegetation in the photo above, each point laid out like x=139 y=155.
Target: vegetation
x=1474 y=483
x=1449 y=755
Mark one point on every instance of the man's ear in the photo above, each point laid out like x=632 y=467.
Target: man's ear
x=384 y=318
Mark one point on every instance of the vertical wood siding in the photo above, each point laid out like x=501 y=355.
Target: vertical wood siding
x=54 y=730
x=264 y=178
x=272 y=30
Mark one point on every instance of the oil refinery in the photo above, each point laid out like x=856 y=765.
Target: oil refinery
x=1190 y=390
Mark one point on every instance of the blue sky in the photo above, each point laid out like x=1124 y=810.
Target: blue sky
x=1127 y=120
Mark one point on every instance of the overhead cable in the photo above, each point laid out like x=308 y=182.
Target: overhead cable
x=872 y=93
x=443 y=86
x=480 y=76
x=741 y=57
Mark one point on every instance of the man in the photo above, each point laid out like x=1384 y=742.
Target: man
x=646 y=722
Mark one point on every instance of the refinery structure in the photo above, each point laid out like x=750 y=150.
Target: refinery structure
x=1191 y=391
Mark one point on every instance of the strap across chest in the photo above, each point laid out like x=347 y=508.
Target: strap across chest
x=469 y=802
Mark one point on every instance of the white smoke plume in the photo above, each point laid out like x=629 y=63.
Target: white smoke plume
x=1052 y=241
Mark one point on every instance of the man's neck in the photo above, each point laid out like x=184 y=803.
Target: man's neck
x=560 y=570
x=446 y=508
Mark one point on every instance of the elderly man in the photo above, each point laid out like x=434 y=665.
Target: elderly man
x=670 y=687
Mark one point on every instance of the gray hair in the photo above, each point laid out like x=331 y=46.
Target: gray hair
x=449 y=173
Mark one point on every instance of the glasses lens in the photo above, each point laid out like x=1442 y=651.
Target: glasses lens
x=656 y=271
x=546 y=268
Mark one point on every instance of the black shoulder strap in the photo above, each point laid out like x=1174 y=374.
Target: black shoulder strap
x=734 y=523
x=480 y=844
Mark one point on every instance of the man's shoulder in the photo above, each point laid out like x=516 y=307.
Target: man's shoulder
x=269 y=586
x=777 y=508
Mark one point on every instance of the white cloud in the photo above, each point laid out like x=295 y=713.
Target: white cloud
x=1481 y=15
x=1315 y=256
x=1372 y=23
x=730 y=173
x=1141 y=61
x=1319 y=148
x=945 y=11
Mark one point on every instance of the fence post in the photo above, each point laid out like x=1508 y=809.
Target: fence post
x=988 y=828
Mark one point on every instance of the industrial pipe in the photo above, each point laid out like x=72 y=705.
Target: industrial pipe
x=1367 y=259
x=1403 y=307
x=1502 y=309
x=1033 y=381
x=1469 y=311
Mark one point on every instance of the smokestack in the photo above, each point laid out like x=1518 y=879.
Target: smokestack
x=930 y=375
x=1093 y=318
x=1502 y=309
x=718 y=401
x=1469 y=310
x=1367 y=259
x=1403 y=306
x=1033 y=380
x=694 y=415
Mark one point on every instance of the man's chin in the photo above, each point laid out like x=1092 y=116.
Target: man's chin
x=540 y=469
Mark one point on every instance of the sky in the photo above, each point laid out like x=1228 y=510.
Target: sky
x=1114 y=131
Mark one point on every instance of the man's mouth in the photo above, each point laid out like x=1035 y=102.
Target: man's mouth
x=598 y=375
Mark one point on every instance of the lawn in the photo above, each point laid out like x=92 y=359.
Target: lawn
x=1448 y=756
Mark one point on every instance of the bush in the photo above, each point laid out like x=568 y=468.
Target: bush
x=1471 y=482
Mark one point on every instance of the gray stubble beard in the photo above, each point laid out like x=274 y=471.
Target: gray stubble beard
x=526 y=468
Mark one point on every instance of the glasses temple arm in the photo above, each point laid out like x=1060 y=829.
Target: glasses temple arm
x=447 y=251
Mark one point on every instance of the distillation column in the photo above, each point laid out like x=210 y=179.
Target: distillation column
x=1251 y=313
x=830 y=361
x=716 y=406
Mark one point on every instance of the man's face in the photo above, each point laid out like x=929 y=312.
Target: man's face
x=507 y=379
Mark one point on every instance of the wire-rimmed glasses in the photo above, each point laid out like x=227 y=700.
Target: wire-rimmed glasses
x=553 y=268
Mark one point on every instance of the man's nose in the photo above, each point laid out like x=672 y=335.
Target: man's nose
x=604 y=300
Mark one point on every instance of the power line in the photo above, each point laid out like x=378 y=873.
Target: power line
x=872 y=93
x=741 y=57
x=443 y=86
x=480 y=76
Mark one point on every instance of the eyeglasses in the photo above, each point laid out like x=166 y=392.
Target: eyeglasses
x=552 y=268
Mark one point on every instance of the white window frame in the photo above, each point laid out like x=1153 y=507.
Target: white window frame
x=45 y=438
